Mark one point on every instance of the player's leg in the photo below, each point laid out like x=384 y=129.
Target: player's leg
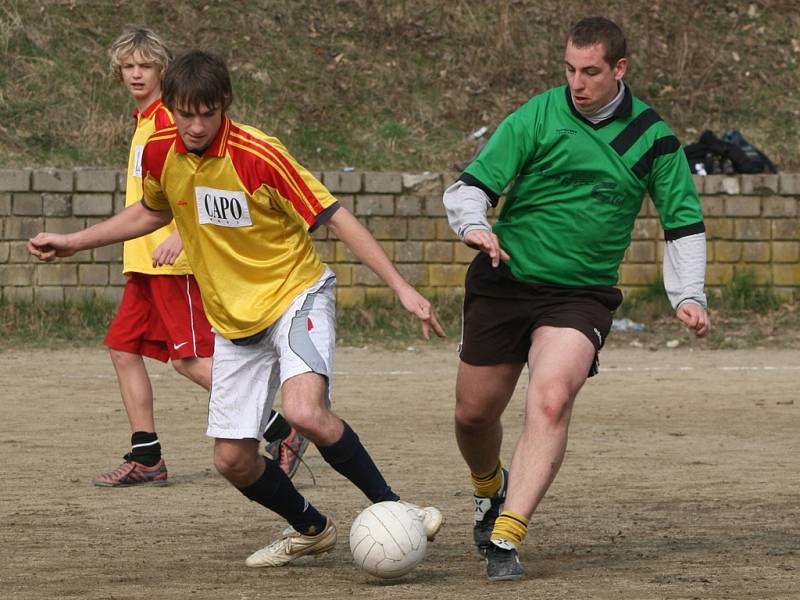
x=305 y=406
x=306 y=338
x=135 y=389
x=494 y=349
x=128 y=339
x=245 y=380
x=180 y=306
x=559 y=362
x=560 y=359
x=482 y=394
x=197 y=369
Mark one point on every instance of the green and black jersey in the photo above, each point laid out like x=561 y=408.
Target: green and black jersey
x=576 y=187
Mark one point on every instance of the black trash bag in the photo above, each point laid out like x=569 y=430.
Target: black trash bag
x=713 y=155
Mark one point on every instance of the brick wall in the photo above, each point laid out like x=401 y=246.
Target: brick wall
x=753 y=223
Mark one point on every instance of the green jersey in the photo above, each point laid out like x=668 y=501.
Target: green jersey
x=576 y=187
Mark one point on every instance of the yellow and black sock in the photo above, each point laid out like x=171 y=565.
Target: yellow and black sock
x=510 y=527
x=488 y=484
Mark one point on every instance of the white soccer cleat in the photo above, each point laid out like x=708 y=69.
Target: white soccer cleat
x=293 y=545
x=431 y=517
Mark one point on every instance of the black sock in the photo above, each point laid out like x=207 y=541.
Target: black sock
x=349 y=457
x=278 y=428
x=145 y=448
x=275 y=491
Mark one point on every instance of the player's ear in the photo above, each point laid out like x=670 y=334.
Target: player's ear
x=620 y=68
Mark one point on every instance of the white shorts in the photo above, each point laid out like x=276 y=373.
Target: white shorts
x=245 y=378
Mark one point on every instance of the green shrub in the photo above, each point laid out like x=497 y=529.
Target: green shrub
x=646 y=304
x=54 y=323
x=743 y=294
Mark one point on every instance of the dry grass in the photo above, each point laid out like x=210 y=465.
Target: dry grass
x=391 y=84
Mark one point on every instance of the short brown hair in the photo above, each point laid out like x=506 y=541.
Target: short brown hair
x=145 y=41
x=599 y=30
x=197 y=79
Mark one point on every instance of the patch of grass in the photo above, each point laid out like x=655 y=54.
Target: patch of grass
x=391 y=85
x=744 y=294
x=387 y=324
x=54 y=324
x=646 y=304
x=744 y=314
x=84 y=323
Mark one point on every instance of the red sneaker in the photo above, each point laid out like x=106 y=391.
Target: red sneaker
x=133 y=473
x=291 y=452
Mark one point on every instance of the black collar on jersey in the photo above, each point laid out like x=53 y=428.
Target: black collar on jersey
x=623 y=110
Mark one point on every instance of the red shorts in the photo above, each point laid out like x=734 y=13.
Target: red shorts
x=161 y=317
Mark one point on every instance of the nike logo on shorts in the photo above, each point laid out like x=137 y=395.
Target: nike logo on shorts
x=179 y=346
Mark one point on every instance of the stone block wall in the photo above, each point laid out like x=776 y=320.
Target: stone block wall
x=753 y=223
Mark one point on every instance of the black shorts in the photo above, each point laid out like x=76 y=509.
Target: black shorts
x=501 y=314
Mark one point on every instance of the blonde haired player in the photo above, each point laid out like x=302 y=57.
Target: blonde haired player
x=161 y=314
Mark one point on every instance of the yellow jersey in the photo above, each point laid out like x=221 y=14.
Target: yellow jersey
x=244 y=210
x=137 y=255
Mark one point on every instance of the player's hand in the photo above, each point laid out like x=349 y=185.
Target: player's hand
x=417 y=305
x=48 y=246
x=487 y=242
x=168 y=251
x=695 y=317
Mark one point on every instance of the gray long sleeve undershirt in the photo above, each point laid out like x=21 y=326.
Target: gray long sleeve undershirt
x=685 y=270
x=466 y=208
x=684 y=258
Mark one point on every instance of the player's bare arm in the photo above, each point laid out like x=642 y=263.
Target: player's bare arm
x=134 y=221
x=361 y=243
x=169 y=250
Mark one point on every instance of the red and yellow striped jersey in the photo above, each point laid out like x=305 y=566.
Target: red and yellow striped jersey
x=138 y=253
x=244 y=209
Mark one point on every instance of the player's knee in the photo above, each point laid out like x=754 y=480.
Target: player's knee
x=183 y=366
x=120 y=358
x=230 y=463
x=470 y=417
x=305 y=417
x=555 y=405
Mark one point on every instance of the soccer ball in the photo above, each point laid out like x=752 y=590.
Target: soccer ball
x=387 y=540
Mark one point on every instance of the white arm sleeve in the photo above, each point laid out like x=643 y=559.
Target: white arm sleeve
x=685 y=270
x=466 y=208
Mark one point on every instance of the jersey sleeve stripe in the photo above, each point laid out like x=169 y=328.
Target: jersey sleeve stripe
x=475 y=182
x=664 y=145
x=163 y=134
x=670 y=235
x=156 y=151
x=308 y=215
x=163 y=118
x=269 y=160
x=284 y=167
x=290 y=173
x=634 y=130
x=323 y=217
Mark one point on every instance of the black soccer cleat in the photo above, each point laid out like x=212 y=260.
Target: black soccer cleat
x=502 y=562
x=486 y=512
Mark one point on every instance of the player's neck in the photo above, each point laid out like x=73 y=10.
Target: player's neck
x=143 y=103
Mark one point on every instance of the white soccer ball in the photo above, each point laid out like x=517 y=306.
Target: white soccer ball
x=387 y=540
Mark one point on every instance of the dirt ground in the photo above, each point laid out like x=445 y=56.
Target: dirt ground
x=681 y=481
